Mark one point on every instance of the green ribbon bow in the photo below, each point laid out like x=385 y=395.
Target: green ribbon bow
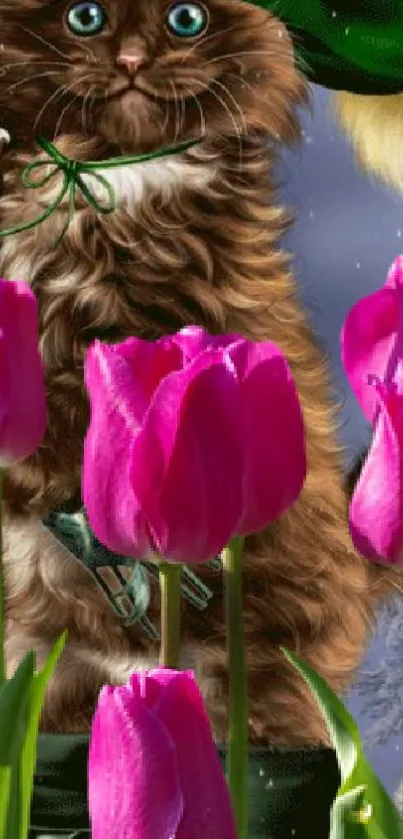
x=73 y=171
x=75 y=534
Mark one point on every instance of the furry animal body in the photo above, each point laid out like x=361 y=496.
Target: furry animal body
x=373 y=125
x=193 y=239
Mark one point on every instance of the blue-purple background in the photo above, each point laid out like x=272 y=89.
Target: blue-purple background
x=347 y=232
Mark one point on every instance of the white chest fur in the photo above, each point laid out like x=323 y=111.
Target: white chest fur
x=132 y=183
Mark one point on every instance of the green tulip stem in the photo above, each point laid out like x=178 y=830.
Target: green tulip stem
x=170 y=582
x=237 y=754
x=2 y=594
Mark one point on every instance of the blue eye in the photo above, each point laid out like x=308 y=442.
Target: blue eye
x=86 y=19
x=187 y=20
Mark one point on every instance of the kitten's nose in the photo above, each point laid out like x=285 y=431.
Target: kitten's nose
x=131 y=62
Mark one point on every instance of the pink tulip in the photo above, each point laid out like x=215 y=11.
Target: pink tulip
x=154 y=771
x=376 y=510
x=192 y=440
x=372 y=339
x=372 y=355
x=22 y=388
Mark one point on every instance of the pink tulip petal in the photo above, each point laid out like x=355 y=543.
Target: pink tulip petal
x=372 y=339
x=149 y=685
x=187 y=460
x=273 y=434
x=23 y=426
x=207 y=811
x=376 y=509
x=149 y=362
x=134 y=786
x=194 y=340
x=113 y=510
x=164 y=676
x=4 y=383
x=395 y=274
x=133 y=369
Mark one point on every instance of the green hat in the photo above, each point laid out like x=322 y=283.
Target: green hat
x=354 y=45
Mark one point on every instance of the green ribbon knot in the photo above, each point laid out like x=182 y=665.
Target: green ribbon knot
x=72 y=181
x=73 y=531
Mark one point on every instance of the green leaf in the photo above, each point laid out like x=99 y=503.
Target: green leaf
x=351 y=816
x=5 y=788
x=27 y=760
x=14 y=700
x=21 y=700
x=14 y=710
x=362 y=808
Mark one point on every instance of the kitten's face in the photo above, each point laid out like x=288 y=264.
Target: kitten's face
x=148 y=73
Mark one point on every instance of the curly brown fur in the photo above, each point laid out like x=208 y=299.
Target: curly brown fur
x=199 y=248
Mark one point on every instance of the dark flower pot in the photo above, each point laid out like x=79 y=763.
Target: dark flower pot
x=290 y=790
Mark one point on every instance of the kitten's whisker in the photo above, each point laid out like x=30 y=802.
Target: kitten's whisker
x=240 y=54
x=5 y=67
x=244 y=82
x=176 y=112
x=203 y=127
x=233 y=120
x=66 y=89
x=86 y=49
x=250 y=87
x=61 y=118
x=204 y=40
x=182 y=114
x=84 y=113
x=61 y=91
x=236 y=104
x=189 y=92
x=92 y=101
x=31 y=79
x=242 y=116
x=177 y=116
x=45 y=42
x=166 y=120
x=65 y=109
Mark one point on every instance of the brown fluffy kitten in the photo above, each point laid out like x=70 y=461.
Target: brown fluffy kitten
x=194 y=239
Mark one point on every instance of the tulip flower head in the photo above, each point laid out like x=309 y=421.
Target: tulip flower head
x=154 y=770
x=192 y=440
x=22 y=388
x=372 y=340
x=376 y=509
x=372 y=355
